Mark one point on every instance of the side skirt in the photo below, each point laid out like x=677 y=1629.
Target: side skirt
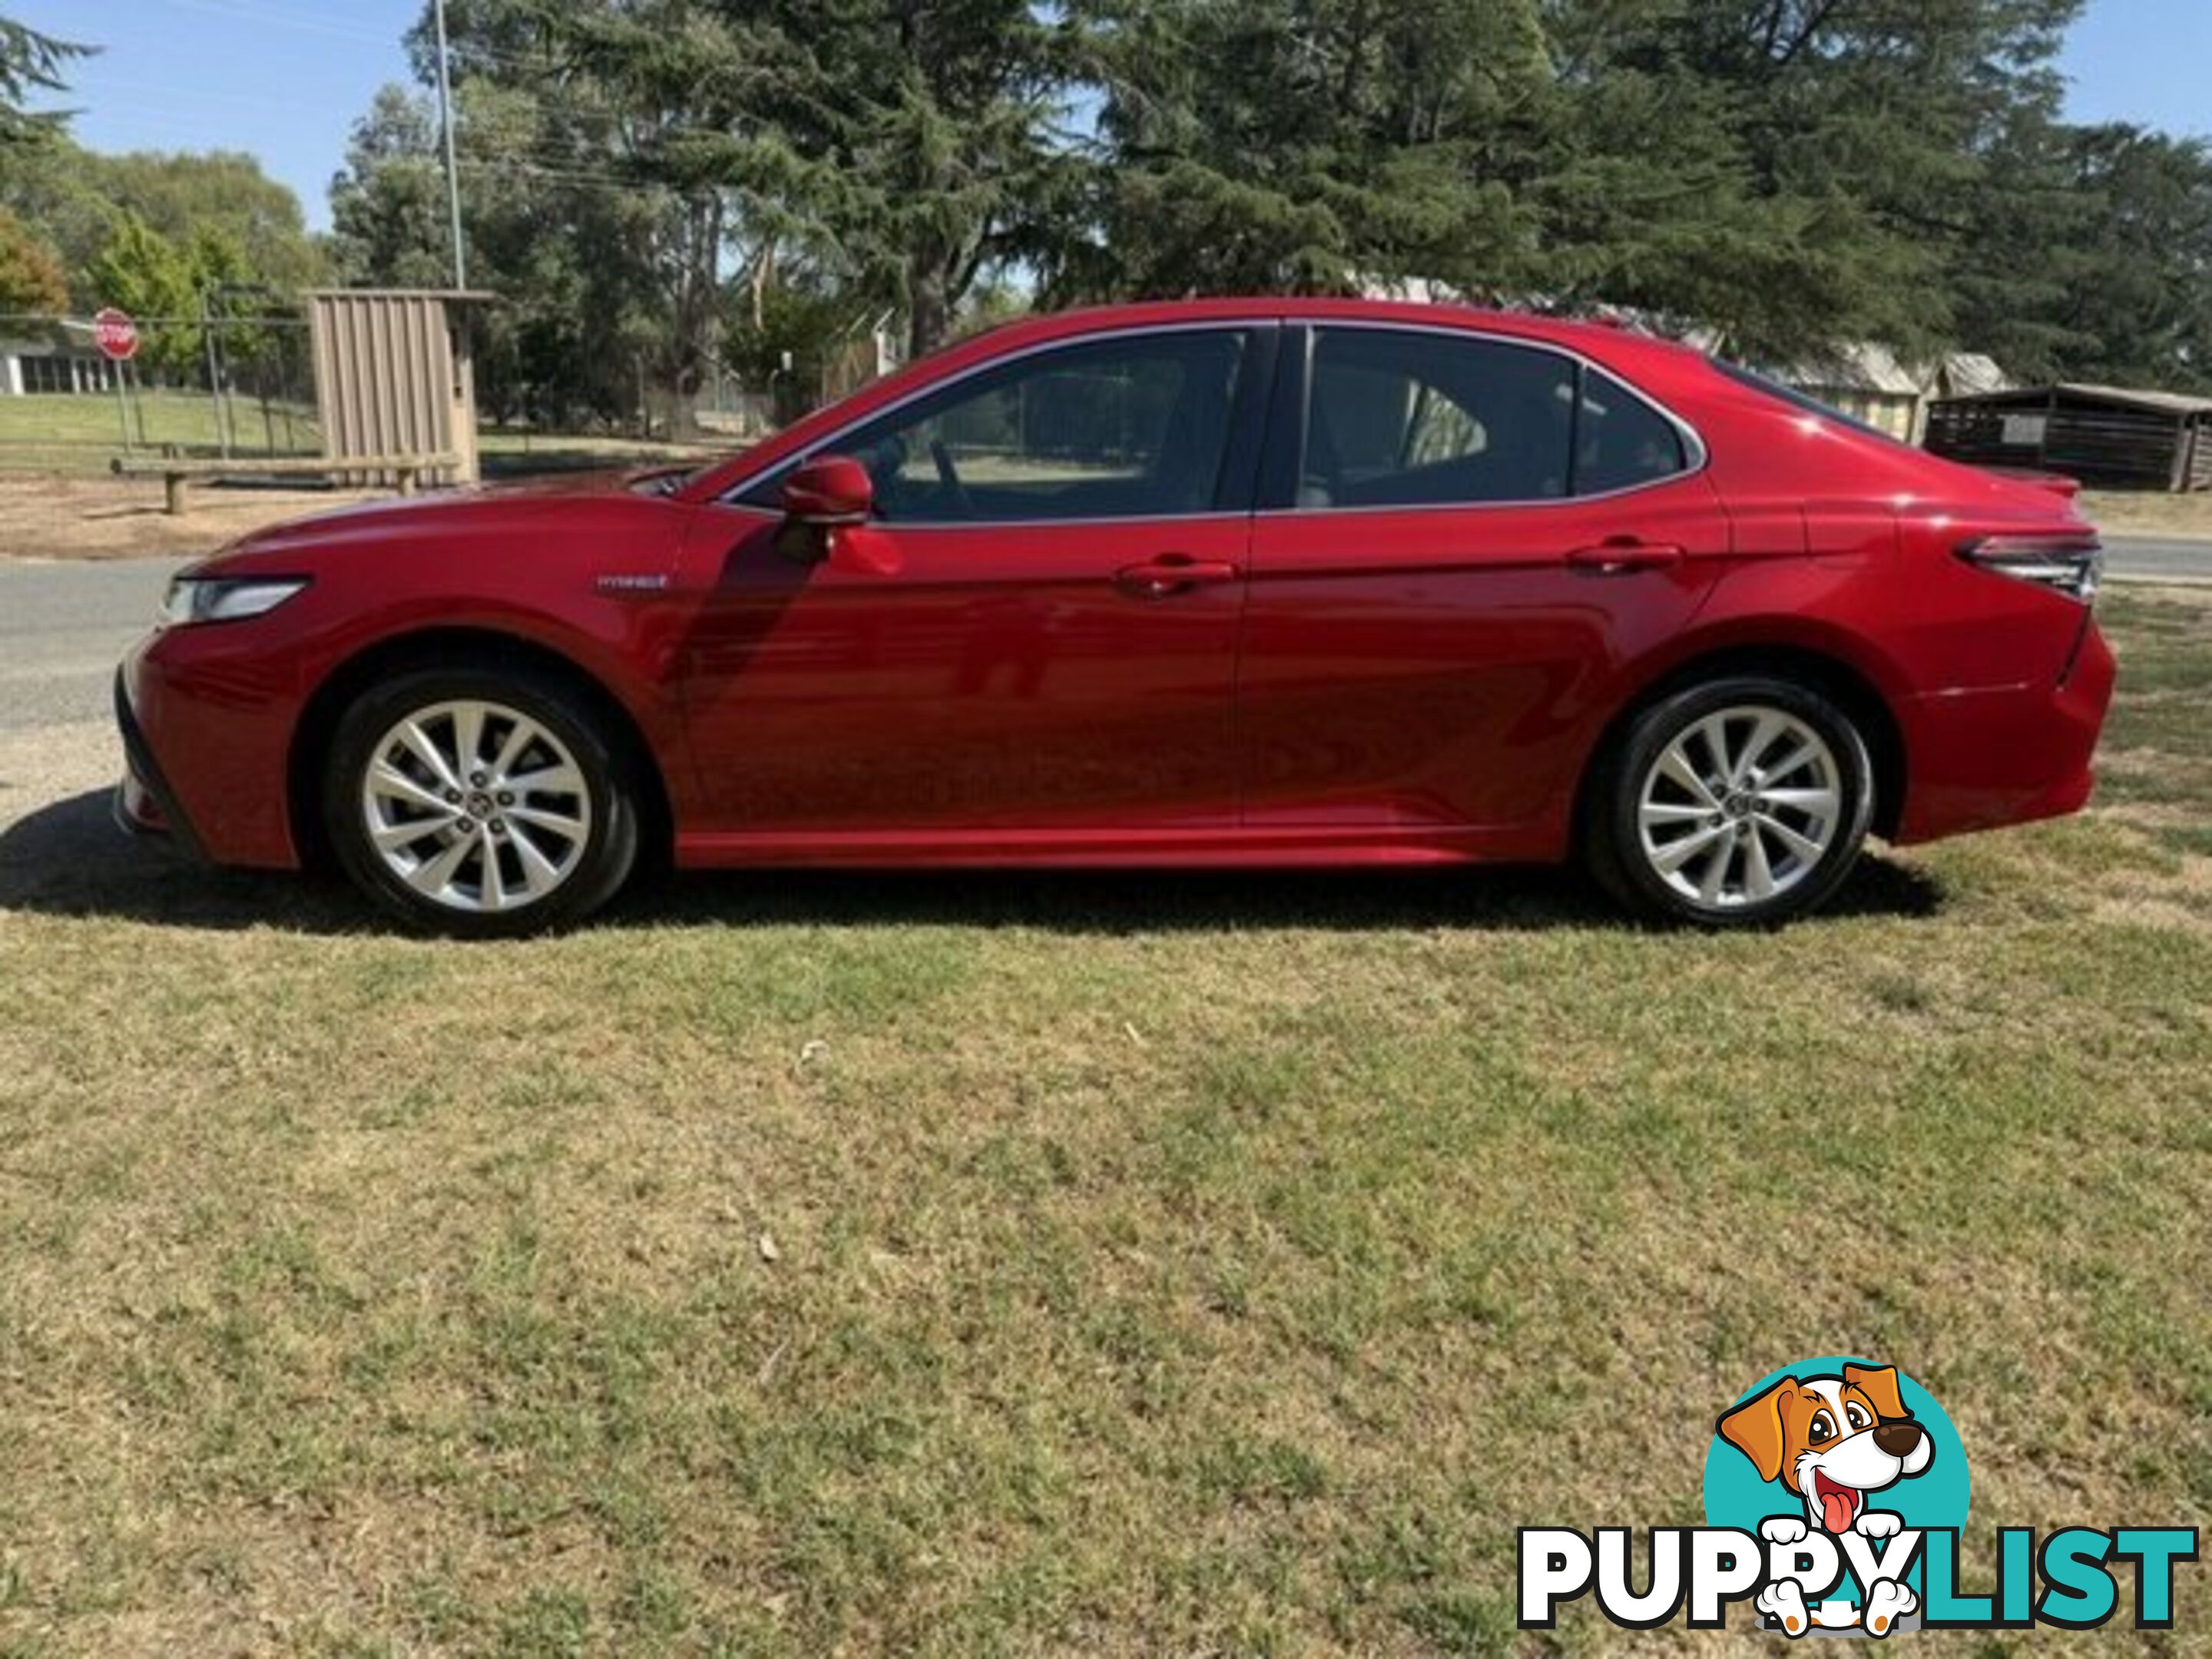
x=1311 y=848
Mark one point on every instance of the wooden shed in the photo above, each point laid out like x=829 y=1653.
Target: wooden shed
x=393 y=374
x=2109 y=437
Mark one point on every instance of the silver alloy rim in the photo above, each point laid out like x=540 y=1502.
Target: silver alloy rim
x=476 y=807
x=1741 y=807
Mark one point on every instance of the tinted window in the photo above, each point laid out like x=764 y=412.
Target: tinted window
x=1127 y=427
x=1399 y=419
x=1620 y=441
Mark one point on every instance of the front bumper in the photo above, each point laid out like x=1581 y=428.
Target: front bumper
x=206 y=725
x=144 y=804
x=1982 y=759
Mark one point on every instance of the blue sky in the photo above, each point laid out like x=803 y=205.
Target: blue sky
x=284 y=79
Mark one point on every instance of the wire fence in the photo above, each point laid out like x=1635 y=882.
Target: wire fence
x=238 y=382
x=225 y=384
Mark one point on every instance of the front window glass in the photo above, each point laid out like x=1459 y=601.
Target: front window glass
x=1134 y=427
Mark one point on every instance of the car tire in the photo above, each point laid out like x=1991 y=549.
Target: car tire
x=1738 y=802
x=481 y=803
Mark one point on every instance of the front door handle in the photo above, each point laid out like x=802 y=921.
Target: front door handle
x=1619 y=555
x=1171 y=574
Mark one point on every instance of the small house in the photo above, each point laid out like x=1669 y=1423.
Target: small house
x=1865 y=381
x=62 y=359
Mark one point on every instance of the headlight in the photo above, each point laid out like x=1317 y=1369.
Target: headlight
x=217 y=598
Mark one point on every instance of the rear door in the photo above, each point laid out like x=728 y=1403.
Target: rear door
x=1462 y=540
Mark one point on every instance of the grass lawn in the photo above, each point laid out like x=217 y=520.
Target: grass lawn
x=56 y=432
x=964 y=1264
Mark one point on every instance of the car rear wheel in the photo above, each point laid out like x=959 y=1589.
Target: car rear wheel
x=1739 y=802
x=482 y=803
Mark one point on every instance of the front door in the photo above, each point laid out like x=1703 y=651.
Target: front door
x=1035 y=637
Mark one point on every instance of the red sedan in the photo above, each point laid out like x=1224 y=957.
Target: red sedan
x=1263 y=583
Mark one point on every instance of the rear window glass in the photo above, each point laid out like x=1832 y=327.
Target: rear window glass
x=1405 y=419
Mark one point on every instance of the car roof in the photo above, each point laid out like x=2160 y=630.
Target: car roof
x=1596 y=337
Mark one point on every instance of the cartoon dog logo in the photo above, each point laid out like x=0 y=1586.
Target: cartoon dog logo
x=1831 y=1442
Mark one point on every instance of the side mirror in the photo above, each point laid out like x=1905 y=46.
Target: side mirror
x=828 y=491
x=827 y=503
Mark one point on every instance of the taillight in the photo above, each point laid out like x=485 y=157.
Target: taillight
x=2072 y=565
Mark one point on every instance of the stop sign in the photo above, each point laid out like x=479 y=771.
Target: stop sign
x=115 y=334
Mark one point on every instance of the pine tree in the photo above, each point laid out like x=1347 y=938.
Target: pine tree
x=31 y=62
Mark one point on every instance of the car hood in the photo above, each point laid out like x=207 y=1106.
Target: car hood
x=465 y=513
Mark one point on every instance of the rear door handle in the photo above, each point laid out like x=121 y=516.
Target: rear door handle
x=1620 y=554
x=1170 y=573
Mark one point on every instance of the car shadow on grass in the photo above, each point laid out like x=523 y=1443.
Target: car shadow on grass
x=69 y=859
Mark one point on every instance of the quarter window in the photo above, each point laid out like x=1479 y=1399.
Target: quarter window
x=1620 y=441
x=1133 y=426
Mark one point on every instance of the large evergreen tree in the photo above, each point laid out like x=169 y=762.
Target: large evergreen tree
x=906 y=144
x=1788 y=171
x=30 y=62
x=1307 y=145
x=1846 y=137
x=2094 y=260
x=1790 y=174
x=389 y=226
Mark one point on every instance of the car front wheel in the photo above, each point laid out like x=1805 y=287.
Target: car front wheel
x=1739 y=802
x=474 y=802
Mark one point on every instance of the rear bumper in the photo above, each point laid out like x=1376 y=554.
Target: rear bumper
x=1982 y=759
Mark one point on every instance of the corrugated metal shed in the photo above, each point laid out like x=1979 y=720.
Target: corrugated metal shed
x=393 y=374
x=2109 y=437
x=1967 y=375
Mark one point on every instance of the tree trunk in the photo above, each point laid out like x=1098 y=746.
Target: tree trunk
x=764 y=273
x=929 y=310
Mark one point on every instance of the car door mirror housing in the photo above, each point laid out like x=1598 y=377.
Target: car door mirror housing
x=828 y=491
x=829 y=502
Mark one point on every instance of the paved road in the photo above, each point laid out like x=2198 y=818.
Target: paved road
x=2142 y=556
x=63 y=623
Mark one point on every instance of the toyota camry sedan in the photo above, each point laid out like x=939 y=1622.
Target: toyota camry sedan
x=1275 y=583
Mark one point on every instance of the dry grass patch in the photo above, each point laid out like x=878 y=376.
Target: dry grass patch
x=1158 y=1265
x=2148 y=513
x=63 y=517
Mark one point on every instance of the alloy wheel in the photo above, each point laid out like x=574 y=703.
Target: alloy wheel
x=476 y=806
x=1741 y=807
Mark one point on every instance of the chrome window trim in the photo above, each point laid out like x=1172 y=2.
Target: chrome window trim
x=1698 y=456
x=916 y=527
